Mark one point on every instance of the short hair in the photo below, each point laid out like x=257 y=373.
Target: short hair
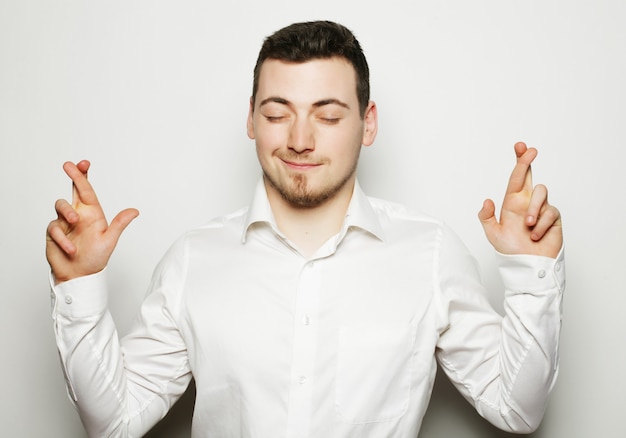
x=305 y=41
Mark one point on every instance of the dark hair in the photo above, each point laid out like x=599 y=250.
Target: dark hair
x=301 y=42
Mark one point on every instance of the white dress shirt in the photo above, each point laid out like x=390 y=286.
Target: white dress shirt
x=341 y=344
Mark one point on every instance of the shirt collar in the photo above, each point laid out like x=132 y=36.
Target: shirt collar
x=259 y=212
x=360 y=213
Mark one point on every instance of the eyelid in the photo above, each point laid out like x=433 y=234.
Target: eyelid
x=271 y=118
x=330 y=120
x=330 y=116
x=274 y=114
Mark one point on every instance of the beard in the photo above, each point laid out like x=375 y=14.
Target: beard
x=298 y=192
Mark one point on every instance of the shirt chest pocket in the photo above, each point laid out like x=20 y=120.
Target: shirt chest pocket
x=373 y=372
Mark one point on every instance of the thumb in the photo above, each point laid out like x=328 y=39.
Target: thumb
x=487 y=217
x=120 y=222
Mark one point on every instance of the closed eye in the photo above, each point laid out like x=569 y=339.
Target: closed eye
x=274 y=119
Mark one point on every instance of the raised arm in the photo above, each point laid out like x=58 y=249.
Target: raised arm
x=528 y=223
x=80 y=241
x=120 y=388
x=507 y=365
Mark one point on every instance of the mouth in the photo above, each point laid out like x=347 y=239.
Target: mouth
x=298 y=165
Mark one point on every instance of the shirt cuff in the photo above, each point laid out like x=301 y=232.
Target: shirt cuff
x=532 y=274
x=80 y=297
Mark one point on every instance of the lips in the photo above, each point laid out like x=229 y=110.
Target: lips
x=300 y=165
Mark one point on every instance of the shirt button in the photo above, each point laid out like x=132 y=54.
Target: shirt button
x=541 y=273
x=68 y=299
x=558 y=267
x=302 y=380
x=306 y=320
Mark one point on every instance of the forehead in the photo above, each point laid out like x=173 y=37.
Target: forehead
x=308 y=81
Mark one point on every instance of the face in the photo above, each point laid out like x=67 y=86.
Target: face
x=308 y=130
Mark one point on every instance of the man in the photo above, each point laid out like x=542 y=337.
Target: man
x=316 y=311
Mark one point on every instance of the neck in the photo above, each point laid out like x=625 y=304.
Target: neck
x=310 y=227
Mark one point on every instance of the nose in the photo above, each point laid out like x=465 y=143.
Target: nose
x=301 y=138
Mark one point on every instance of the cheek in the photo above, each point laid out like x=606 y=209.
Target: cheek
x=262 y=150
x=267 y=142
x=269 y=137
x=347 y=143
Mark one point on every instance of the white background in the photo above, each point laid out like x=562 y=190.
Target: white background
x=155 y=94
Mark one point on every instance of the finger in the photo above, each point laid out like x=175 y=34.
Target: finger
x=538 y=201
x=66 y=212
x=83 y=166
x=521 y=177
x=56 y=233
x=549 y=217
x=120 y=222
x=520 y=147
x=82 y=191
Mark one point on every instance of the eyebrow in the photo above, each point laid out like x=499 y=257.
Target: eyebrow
x=330 y=102
x=317 y=104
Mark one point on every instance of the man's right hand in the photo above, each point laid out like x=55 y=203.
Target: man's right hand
x=80 y=241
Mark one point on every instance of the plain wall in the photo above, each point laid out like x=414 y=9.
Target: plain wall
x=155 y=94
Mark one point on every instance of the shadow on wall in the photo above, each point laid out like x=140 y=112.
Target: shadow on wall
x=177 y=422
x=450 y=415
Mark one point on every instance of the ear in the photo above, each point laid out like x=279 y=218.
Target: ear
x=250 y=121
x=370 y=124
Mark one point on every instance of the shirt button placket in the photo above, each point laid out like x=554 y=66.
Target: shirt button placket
x=304 y=350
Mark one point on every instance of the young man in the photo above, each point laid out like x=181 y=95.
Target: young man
x=316 y=311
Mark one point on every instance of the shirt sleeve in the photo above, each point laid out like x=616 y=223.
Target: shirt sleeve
x=120 y=388
x=505 y=366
